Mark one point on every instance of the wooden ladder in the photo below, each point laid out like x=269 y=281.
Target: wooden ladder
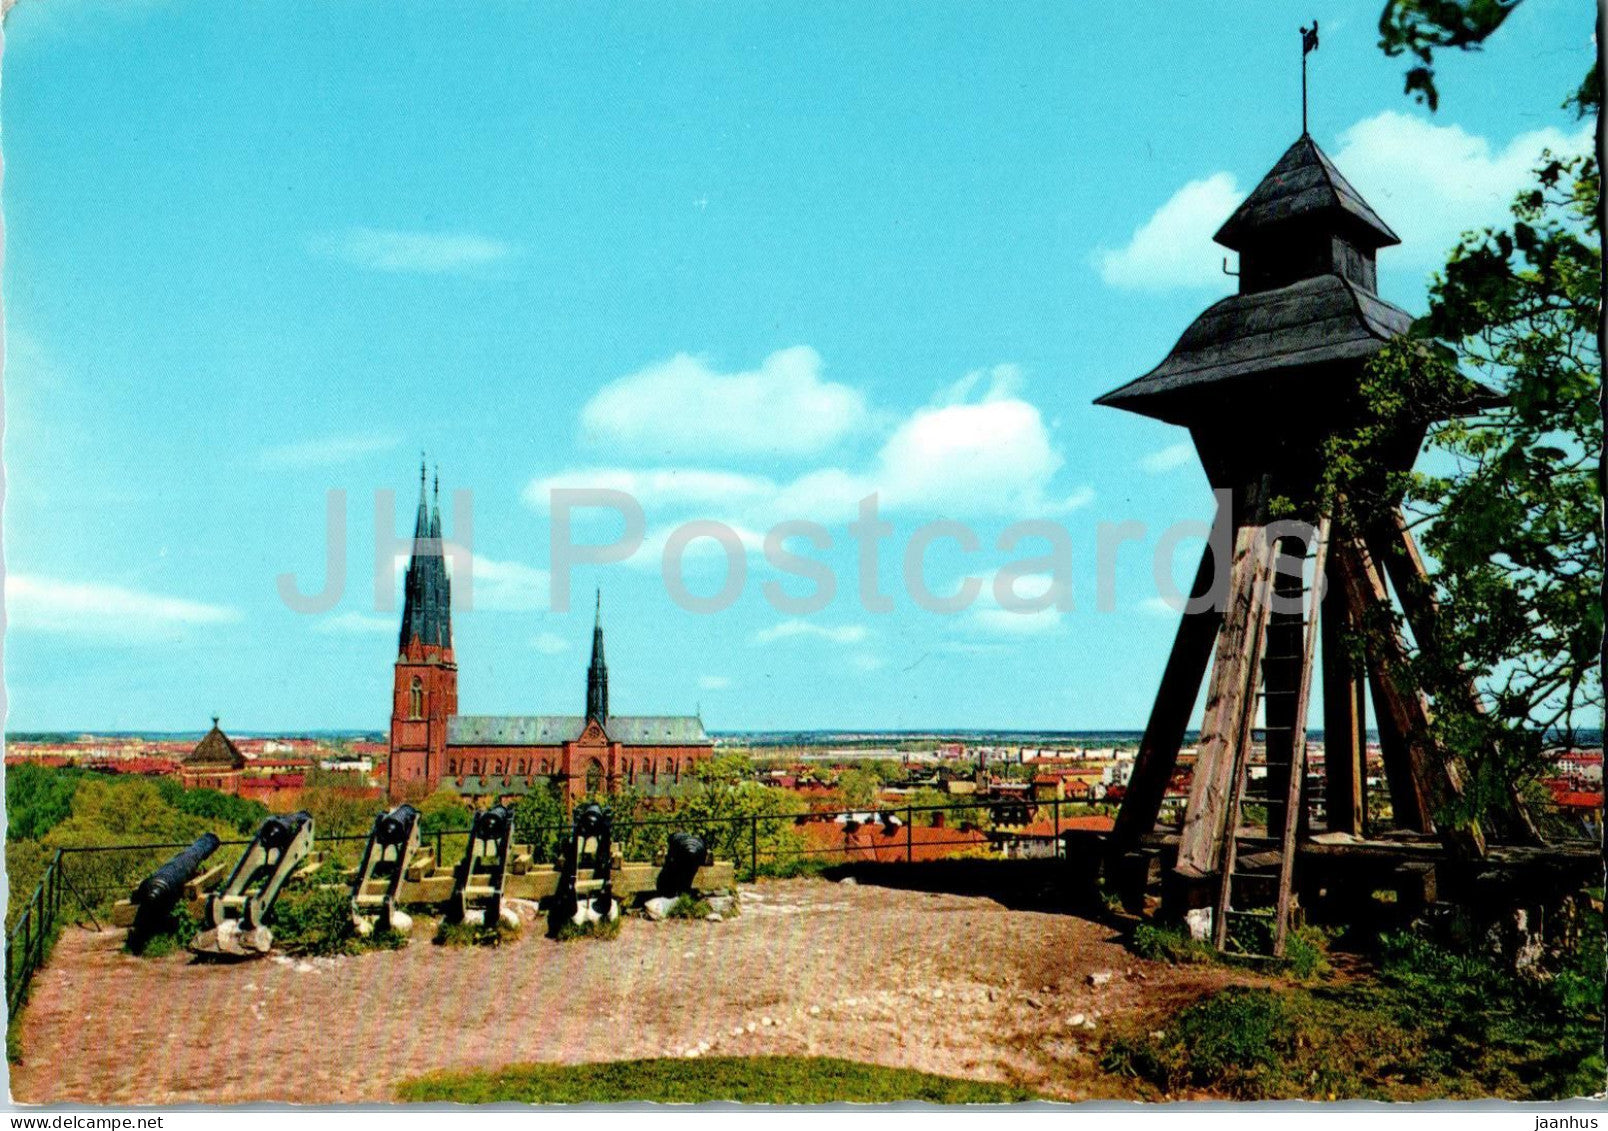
x=1250 y=856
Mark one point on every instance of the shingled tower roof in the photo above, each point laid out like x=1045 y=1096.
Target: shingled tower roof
x=216 y=749
x=1307 y=314
x=427 y=607
x=1304 y=185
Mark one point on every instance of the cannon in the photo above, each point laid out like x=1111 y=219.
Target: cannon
x=235 y=914
x=159 y=893
x=683 y=856
x=477 y=886
x=590 y=845
x=391 y=843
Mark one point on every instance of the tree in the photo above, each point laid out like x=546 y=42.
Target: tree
x=1421 y=27
x=1513 y=517
x=540 y=817
x=38 y=798
x=859 y=788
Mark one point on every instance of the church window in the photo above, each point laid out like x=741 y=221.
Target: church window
x=594 y=777
x=416 y=699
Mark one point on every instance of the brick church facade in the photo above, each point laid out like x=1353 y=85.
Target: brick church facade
x=499 y=756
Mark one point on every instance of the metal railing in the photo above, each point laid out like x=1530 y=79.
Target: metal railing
x=30 y=938
x=750 y=841
x=756 y=844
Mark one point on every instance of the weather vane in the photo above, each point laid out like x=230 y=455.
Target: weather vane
x=1309 y=44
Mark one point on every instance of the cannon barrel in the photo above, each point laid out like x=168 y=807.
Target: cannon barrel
x=279 y=831
x=490 y=824
x=590 y=820
x=159 y=891
x=393 y=828
x=683 y=856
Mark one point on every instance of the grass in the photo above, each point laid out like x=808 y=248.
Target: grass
x=754 y=1080
x=688 y=906
x=1306 y=955
x=474 y=934
x=601 y=929
x=1428 y=1022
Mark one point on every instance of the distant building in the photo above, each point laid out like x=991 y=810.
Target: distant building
x=215 y=763
x=497 y=756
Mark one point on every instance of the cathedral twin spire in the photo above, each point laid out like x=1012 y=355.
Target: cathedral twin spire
x=427 y=601
x=427 y=607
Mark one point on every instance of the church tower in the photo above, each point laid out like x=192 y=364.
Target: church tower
x=597 y=675
x=425 y=688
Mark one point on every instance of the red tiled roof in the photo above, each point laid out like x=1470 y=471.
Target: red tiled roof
x=1044 y=825
x=1577 y=799
x=876 y=842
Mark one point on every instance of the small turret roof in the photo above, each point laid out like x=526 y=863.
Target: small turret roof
x=216 y=749
x=1304 y=185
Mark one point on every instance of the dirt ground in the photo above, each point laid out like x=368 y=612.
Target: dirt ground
x=943 y=983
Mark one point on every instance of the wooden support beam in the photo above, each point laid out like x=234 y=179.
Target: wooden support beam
x=1436 y=783
x=1345 y=718
x=1228 y=700
x=1409 y=805
x=1392 y=543
x=1169 y=715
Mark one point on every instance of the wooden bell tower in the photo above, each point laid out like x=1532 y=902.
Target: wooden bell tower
x=1261 y=379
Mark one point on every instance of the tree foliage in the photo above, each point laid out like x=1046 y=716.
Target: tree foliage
x=1419 y=28
x=1510 y=506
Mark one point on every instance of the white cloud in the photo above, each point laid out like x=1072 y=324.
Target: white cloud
x=658 y=487
x=684 y=407
x=549 y=643
x=1170 y=458
x=970 y=457
x=867 y=662
x=78 y=608
x=713 y=683
x=355 y=624
x=989 y=616
x=327 y=450
x=501 y=587
x=1159 y=606
x=1174 y=247
x=978 y=449
x=1432 y=182
x=426 y=253
x=797 y=629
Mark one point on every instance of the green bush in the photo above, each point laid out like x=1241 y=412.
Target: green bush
x=173 y=936
x=1306 y=953
x=688 y=906
x=314 y=921
x=1430 y=1023
x=1162 y=944
x=1234 y=1043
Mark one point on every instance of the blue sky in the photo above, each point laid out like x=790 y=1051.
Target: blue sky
x=743 y=260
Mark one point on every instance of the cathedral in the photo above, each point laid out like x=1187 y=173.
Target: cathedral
x=496 y=756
